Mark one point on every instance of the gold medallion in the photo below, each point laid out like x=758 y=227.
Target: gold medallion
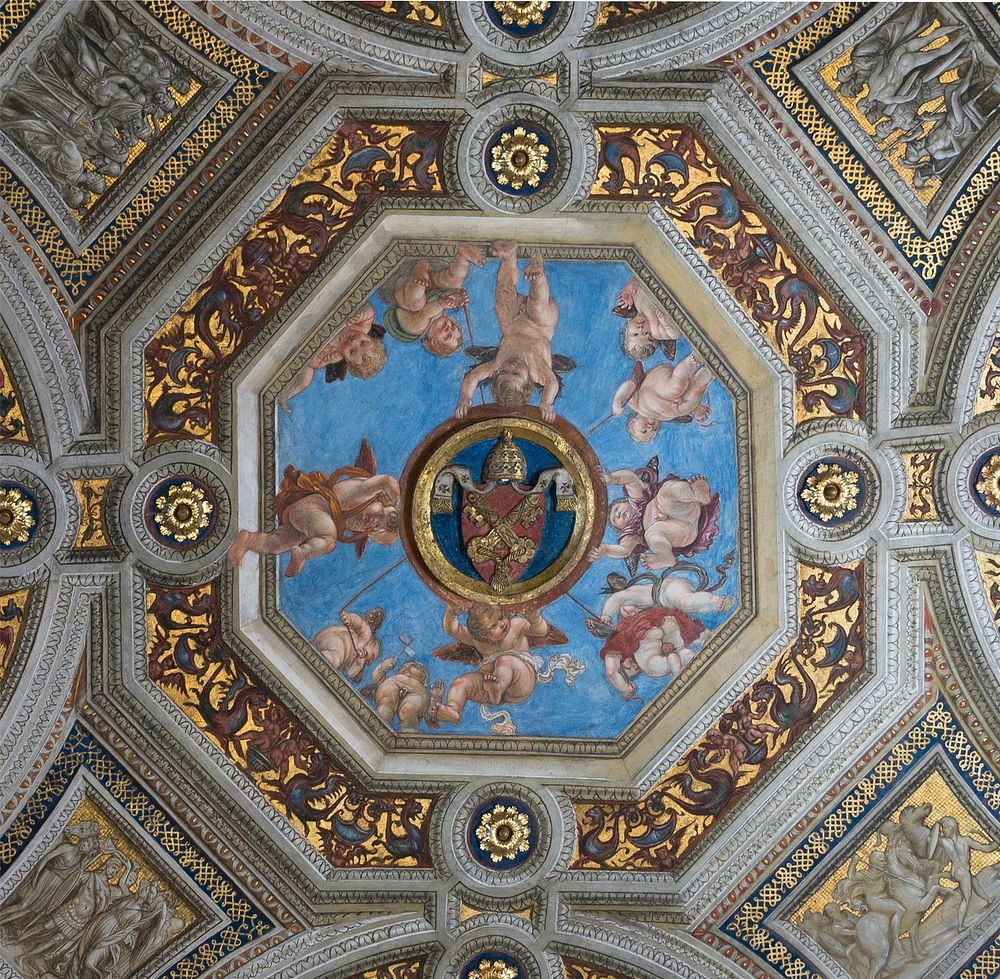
x=502 y=508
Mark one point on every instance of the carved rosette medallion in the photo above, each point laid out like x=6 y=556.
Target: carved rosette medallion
x=521 y=18
x=519 y=159
x=502 y=509
x=492 y=965
x=18 y=516
x=180 y=512
x=832 y=491
x=502 y=833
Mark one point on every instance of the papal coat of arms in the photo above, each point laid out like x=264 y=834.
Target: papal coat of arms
x=502 y=517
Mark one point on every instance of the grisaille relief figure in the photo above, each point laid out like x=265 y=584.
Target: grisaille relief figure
x=906 y=903
x=925 y=76
x=86 y=911
x=91 y=94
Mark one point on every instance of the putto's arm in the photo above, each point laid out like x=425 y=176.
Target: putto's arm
x=454 y=627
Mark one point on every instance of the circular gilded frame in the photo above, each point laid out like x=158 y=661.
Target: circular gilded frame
x=437 y=450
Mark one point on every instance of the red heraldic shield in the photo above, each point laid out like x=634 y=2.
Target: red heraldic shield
x=501 y=531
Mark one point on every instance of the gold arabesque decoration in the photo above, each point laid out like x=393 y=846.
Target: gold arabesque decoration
x=519 y=159
x=831 y=491
x=523 y=13
x=182 y=512
x=504 y=832
x=988 y=483
x=91 y=494
x=16 y=521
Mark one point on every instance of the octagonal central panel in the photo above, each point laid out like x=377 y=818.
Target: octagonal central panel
x=506 y=494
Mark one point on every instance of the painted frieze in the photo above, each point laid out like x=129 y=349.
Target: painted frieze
x=673 y=166
x=361 y=163
x=240 y=716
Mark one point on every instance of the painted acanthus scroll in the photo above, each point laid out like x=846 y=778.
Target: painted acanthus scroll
x=921 y=472
x=13 y=608
x=581 y=970
x=229 y=705
x=658 y=830
x=13 y=426
x=361 y=163
x=408 y=969
x=673 y=166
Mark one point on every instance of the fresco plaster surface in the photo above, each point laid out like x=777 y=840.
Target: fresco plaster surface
x=205 y=770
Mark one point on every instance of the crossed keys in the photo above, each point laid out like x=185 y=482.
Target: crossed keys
x=503 y=545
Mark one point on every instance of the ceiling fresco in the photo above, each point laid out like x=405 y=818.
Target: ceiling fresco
x=499 y=490
x=445 y=579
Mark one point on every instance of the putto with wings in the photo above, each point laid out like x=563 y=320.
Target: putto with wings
x=502 y=518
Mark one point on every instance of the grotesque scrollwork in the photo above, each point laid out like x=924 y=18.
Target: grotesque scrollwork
x=360 y=164
x=12 y=612
x=13 y=427
x=239 y=715
x=673 y=165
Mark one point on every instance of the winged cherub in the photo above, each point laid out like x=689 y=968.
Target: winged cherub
x=501 y=644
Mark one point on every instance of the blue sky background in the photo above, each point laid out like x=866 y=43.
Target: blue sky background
x=417 y=391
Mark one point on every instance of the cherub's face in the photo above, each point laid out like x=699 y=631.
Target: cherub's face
x=642 y=429
x=446 y=333
x=356 y=346
x=637 y=327
x=499 y=629
x=414 y=670
x=619 y=514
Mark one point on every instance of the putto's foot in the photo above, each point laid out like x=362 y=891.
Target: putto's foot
x=535 y=268
x=504 y=249
x=296 y=562
x=491 y=684
x=239 y=548
x=726 y=603
x=420 y=273
x=473 y=254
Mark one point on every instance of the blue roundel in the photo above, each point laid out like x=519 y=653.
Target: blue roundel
x=520 y=159
x=482 y=965
x=518 y=18
x=502 y=833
